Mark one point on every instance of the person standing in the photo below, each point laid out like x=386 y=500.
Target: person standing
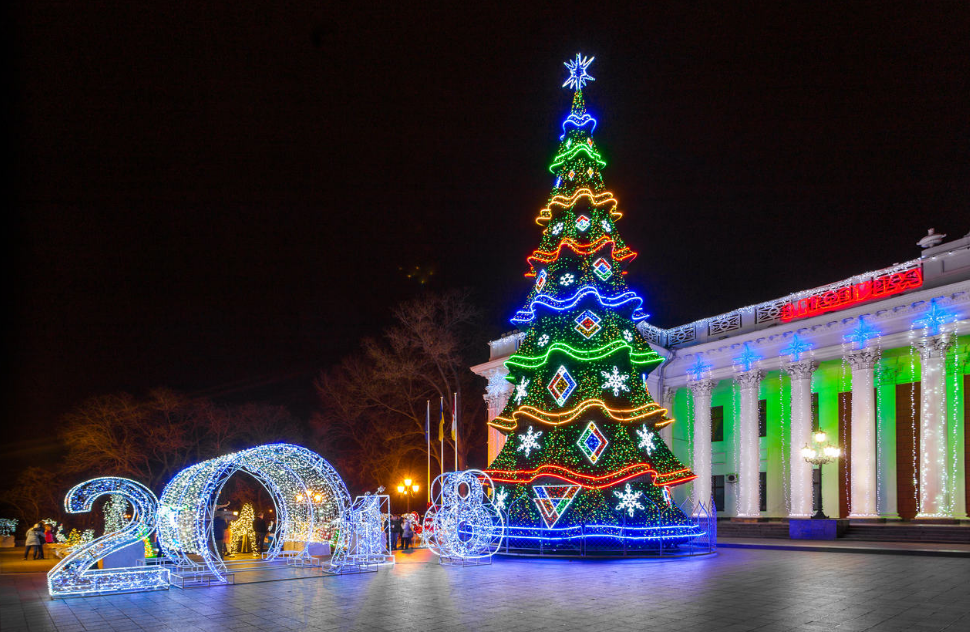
x=219 y=533
x=395 y=530
x=48 y=533
x=261 y=529
x=35 y=540
x=406 y=534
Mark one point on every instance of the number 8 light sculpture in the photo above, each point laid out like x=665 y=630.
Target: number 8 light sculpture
x=464 y=525
x=74 y=576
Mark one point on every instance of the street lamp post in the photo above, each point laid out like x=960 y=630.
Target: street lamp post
x=820 y=453
x=408 y=489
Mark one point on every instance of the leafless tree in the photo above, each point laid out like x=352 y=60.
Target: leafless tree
x=151 y=439
x=374 y=403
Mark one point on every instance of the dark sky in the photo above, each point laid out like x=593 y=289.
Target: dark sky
x=218 y=196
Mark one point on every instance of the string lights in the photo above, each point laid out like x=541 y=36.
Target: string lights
x=74 y=575
x=576 y=360
x=464 y=523
x=293 y=476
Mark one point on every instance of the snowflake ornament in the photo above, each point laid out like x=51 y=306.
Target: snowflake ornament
x=543 y=340
x=615 y=381
x=530 y=442
x=627 y=335
x=628 y=500
x=567 y=279
x=557 y=228
x=646 y=440
x=606 y=226
x=521 y=390
x=498 y=500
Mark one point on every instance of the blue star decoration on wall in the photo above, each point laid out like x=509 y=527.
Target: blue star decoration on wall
x=934 y=317
x=577 y=72
x=747 y=358
x=797 y=348
x=699 y=368
x=860 y=335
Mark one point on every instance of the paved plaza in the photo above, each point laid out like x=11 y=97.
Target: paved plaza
x=738 y=589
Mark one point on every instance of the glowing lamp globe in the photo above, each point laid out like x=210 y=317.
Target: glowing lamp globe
x=808 y=453
x=819 y=437
x=832 y=451
x=400 y=489
x=416 y=488
x=407 y=482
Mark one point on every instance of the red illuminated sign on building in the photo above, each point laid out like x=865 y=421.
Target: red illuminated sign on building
x=830 y=300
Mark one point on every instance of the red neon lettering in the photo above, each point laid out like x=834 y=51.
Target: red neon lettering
x=843 y=297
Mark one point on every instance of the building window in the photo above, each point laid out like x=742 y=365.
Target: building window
x=763 y=490
x=717 y=424
x=717 y=486
x=762 y=417
x=815 y=422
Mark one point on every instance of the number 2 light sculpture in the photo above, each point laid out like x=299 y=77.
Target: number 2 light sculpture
x=74 y=575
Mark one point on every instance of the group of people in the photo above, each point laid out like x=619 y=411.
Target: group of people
x=223 y=534
x=37 y=536
x=403 y=530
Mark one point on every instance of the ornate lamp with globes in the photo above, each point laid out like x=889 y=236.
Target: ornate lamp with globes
x=820 y=453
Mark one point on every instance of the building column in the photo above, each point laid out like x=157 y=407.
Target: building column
x=933 y=472
x=496 y=396
x=667 y=401
x=862 y=495
x=801 y=436
x=886 y=441
x=749 y=457
x=701 y=392
x=958 y=447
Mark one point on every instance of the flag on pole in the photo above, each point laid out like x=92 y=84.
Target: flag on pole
x=427 y=439
x=441 y=433
x=454 y=418
x=441 y=426
x=454 y=428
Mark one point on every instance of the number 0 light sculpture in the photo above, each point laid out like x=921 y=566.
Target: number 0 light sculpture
x=308 y=493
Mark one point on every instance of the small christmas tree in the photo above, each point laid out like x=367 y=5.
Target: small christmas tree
x=583 y=456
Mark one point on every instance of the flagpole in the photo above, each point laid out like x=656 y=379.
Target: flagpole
x=441 y=433
x=427 y=437
x=454 y=421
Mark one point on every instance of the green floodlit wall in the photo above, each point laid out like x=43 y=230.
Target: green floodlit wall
x=832 y=378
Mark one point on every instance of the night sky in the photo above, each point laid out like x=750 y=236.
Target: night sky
x=219 y=196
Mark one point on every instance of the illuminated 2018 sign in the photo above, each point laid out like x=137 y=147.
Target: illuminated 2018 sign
x=830 y=300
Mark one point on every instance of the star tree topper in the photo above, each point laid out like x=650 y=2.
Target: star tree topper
x=577 y=72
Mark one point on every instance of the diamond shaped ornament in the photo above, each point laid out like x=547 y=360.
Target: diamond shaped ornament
x=582 y=223
x=562 y=385
x=588 y=324
x=602 y=268
x=592 y=442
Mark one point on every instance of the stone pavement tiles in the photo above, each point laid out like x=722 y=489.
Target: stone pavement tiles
x=738 y=589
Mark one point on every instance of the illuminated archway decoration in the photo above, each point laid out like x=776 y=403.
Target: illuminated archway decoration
x=308 y=493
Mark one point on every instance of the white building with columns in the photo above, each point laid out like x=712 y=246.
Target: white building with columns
x=879 y=362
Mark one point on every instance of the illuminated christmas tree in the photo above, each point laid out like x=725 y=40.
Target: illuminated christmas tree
x=583 y=456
